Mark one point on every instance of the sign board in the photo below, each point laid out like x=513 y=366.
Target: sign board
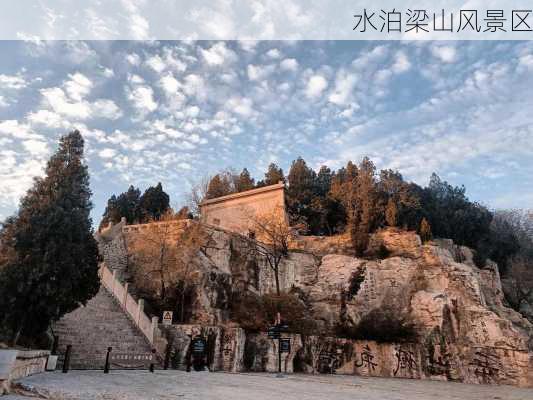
x=273 y=332
x=285 y=345
x=131 y=360
x=167 y=317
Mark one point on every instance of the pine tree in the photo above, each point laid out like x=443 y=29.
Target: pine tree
x=274 y=175
x=218 y=186
x=154 y=203
x=391 y=213
x=244 y=181
x=53 y=262
x=425 y=230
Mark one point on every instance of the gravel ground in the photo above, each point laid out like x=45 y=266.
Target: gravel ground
x=165 y=385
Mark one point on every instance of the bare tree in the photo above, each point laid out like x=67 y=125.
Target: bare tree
x=269 y=237
x=197 y=195
x=163 y=261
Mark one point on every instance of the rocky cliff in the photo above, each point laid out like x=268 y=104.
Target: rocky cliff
x=465 y=332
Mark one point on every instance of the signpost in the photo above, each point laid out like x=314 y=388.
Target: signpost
x=284 y=344
x=167 y=317
x=129 y=360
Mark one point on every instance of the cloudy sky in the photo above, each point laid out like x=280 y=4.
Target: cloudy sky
x=173 y=112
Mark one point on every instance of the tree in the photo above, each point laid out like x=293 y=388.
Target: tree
x=163 y=262
x=273 y=175
x=111 y=213
x=221 y=184
x=323 y=181
x=128 y=204
x=425 y=230
x=198 y=194
x=270 y=240
x=184 y=213
x=154 y=203
x=244 y=181
x=52 y=257
x=391 y=213
x=301 y=191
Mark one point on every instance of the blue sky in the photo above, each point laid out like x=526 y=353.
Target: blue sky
x=176 y=111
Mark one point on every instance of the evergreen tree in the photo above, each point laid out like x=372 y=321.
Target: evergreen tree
x=52 y=262
x=302 y=187
x=323 y=181
x=219 y=185
x=244 y=181
x=154 y=203
x=111 y=213
x=274 y=175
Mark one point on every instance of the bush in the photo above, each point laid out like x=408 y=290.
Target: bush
x=384 y=325
x=256 y=313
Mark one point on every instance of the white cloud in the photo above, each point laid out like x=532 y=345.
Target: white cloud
x=273 y=53
x=46 y=118
x=218 y=54
x=12 y=82
x=195 y=85
x=108 y=73
x=289 y=64
x=78 y=87
x=12 y=127
x=248 y=45
x=138 y=25
x=105 y=108
x=57 y=99
x=344 y=84
x=169 y=84
x=142 y=98
x=3 y=102
x=446 y=54
x=240 y=105
x=133 y=59
x=258 y=72
x=156 y=63
x=36 y=147
x=107 y=153
x=315 y=86
x=526 y=61
x=401 y=63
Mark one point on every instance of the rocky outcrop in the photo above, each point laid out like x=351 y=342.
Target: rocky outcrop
x=465 y=331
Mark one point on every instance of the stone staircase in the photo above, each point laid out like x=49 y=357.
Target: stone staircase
x=102 y=323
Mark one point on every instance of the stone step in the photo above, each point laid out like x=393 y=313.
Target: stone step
x=91 y=329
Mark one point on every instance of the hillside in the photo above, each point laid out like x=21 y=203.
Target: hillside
x=463 y=330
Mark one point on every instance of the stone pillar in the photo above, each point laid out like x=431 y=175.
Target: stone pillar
x=155 y=322
x=126 y=286
x=140 y=308
x=113 y=282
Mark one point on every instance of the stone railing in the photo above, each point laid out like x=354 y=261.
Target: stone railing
x=16 y=364
x=178 y=224
x=135 y=310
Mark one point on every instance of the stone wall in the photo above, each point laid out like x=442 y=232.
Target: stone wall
x=235 y=211
x=16 y=364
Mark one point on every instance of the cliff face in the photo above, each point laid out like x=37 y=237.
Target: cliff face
x=464 y=330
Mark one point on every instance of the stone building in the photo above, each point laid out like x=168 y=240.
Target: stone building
x=236 y=212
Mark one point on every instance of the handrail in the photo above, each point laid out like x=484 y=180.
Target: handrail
x=134 y=309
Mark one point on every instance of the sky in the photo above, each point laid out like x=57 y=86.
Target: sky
x=176 y=111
